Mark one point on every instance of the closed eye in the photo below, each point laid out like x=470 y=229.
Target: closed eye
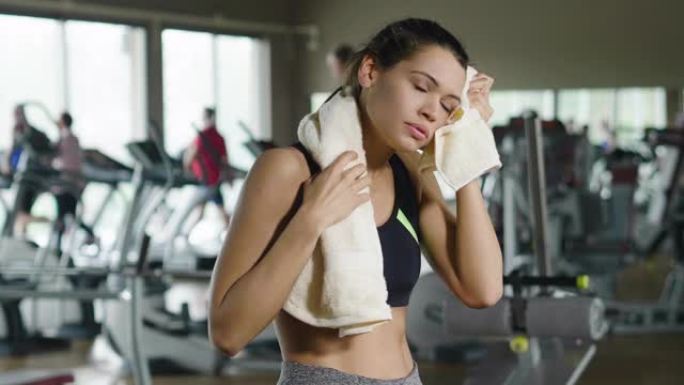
x=421 y=89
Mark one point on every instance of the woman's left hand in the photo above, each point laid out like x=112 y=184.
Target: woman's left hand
x=478 y=95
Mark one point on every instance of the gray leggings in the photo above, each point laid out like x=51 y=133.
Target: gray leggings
x=294 y=373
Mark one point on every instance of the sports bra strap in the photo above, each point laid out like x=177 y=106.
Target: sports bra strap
x=314 y=167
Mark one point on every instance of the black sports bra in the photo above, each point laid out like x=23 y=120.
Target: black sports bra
x=399 y=236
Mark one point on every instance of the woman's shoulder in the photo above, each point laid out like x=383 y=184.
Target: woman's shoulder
x=272 y=186
x=281 y=166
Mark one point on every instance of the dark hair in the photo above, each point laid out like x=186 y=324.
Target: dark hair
x=343 y=53
x=401 y=39
x=209 y=113
x=67 y=119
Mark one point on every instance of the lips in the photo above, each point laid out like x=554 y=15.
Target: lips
x=417 y=131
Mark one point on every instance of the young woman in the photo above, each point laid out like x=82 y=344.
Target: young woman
x=407 y=83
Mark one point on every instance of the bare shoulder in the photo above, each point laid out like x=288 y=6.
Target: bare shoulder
x=272 y=185
x=265 y=200
x=279 y=166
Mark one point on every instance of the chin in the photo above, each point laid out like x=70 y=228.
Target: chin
x=407 y=144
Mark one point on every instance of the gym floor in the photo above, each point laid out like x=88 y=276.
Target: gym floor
x=646 y=359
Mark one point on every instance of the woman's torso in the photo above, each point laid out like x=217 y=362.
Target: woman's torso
x=383 y=353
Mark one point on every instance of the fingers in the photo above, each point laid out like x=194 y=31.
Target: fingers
x=481 y=83
x=339 y=164
x=480 y=101
x=361 y=183
x=353 y=173
x=483 y=76
x=361 y=198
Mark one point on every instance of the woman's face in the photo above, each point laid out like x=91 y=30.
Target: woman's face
x=409 y=102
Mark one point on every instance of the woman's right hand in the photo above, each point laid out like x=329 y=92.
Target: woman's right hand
x=334 y=193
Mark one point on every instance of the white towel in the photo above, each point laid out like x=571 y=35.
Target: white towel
x=342 y=286
x=464 y=150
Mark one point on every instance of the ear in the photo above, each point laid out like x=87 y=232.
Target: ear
x=367 y=71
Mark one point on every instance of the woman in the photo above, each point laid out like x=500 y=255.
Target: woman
x=407 y=83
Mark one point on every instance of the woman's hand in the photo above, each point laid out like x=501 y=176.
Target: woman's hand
x=335 y=192
x=478 y=95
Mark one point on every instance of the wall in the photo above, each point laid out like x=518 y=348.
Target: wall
x=527 y=44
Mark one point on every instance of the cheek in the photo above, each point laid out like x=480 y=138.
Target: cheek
x=396 y=103
x=382 y=106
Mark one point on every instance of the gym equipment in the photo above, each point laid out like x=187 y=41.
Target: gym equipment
x=5 y=184
x=125 y=288
x=255 y=146
x=43 y=179
x=673 y=218
x=161 y=173
x=177 y=276
x=666 y=314
x=535 y=349
x=98 y=168
x=36 y=377
x=18 y=340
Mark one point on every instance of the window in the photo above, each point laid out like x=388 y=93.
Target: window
x=30 y=71
x=228 y=72
x=624 y=111
x=595 y=108
x=638 y=108
x=94 y=70
x=188 y=84
x=105 y=76
x=508 y=104
x=243 y=93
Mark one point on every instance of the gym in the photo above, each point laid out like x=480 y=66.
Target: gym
x=138 y=155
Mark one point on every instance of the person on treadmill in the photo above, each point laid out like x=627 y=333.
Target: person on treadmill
x=207 y=159
x=68 y=160
x=31 y=150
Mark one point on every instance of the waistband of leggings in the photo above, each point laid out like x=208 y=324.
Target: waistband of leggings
x=293 y=368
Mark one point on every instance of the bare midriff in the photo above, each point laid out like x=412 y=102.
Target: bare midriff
x=382 y=353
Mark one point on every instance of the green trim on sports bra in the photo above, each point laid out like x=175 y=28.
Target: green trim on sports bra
x=407 y=224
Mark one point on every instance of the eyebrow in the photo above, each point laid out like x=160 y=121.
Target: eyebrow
x=436 y=83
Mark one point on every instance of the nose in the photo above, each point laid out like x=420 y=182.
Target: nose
x=429 y=110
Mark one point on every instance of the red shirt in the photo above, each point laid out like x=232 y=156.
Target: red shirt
x=205 y=159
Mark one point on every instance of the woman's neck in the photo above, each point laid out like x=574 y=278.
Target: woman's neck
x=377 y=151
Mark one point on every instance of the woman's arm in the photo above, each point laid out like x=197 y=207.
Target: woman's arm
x=463 y=249
x=265 y=250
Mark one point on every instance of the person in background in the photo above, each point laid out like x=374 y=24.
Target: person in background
x=338 y=61
x=207 y=159
x=68 y=160
x=11 y=163
x=31 y=150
